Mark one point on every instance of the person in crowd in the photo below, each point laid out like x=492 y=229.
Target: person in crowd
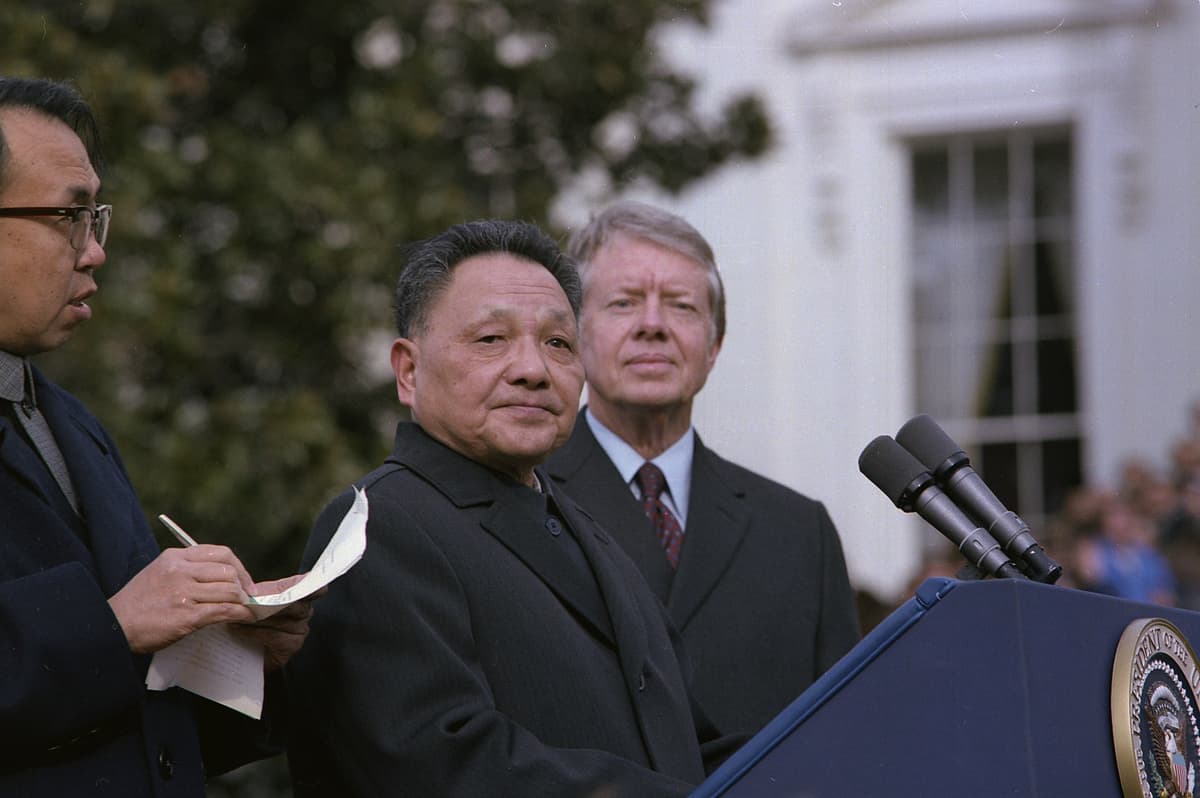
x=1122 y=559
x=494 y=639
x=751 y=572
x=85 y=595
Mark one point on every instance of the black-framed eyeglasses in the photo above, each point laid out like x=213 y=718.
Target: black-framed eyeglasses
x=85 y=220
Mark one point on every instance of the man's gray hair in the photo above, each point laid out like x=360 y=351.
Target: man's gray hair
x=639 y=220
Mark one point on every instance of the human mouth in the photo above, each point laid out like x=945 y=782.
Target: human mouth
x=521 y=406
x=530 y=410
x=649 y=362
x=79 y=303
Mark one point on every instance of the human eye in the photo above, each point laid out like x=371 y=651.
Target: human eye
x=561 y=342
x=486 y=333
x=683 y=302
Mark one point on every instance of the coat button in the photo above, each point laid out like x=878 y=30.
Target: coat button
x=166 y=765
x=553 y=526
x=641 y=681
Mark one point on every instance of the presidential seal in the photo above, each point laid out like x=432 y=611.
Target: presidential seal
x=1155 y=733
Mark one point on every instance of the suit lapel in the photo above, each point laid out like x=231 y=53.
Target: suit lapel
x=718 y=517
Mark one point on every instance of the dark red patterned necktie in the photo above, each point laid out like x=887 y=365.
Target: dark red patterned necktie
x=670 y=534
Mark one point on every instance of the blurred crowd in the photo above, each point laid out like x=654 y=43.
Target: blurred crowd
x=1137 y=539
x=1140 y=539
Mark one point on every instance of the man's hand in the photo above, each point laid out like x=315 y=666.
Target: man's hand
x=180 y=591
x=281 y=634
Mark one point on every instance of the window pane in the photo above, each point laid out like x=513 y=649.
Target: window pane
x=931 y=183
x=991 y=295
x=1052 y=178
x=1055 y=292
x=933 y=272
x=998 y=467
x=1061 y=471
x=994 y=296
x=1056 y=375
x=991 y=182
x=942 y=361
x=996 y=387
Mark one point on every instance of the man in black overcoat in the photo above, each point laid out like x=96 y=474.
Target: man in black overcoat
x=494 y=640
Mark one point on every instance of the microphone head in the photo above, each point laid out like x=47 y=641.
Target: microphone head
x=929 y=443
x=893 y=470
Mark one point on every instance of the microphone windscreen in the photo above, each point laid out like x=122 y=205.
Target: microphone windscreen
x=890 y=467
x=928 y=442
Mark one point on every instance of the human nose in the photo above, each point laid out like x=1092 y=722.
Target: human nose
x=92 y=255
x=650 y=320
x=528 y=365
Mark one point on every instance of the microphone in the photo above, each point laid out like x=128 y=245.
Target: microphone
x=911 y=488
x=951 y=467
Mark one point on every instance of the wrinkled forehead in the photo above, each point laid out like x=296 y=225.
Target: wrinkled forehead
x=497 y=283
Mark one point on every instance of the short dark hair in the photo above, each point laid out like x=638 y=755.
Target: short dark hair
x=667 y=230
x=429 y=265
x=56 y=99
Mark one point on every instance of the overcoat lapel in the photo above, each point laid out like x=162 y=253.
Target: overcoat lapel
x=103 y=492
x=22 y=464
x=521 y=528
x=627 y=624
x=601 y=587
x=48 y=515
x=517 y=520
x=658 y=710
x=586 y=473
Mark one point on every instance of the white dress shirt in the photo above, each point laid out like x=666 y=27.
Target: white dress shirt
x=675 y=462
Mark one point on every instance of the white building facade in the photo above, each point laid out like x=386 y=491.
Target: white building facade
x=983 y=211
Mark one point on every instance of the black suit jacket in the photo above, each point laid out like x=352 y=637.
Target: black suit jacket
x=75 y=715
x=761 y=596
x=492 y=641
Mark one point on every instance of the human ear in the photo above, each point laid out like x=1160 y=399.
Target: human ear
x=405 y=354
x=713 y=351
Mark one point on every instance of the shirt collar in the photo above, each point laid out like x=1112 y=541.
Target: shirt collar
x=675 y=462
x=13 y=376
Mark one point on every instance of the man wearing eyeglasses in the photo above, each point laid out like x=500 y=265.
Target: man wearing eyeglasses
x=85 y=595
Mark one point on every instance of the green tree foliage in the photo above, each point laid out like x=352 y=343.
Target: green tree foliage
x=266 y=157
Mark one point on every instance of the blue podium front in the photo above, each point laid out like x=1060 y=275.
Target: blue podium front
x=980 y=689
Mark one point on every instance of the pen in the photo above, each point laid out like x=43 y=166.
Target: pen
x=177 y=531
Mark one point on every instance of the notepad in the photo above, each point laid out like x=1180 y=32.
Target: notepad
x=217 y=663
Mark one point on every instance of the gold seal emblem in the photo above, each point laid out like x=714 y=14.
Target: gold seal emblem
x=1154 y=684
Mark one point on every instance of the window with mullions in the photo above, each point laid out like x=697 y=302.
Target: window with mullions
x=994 y=308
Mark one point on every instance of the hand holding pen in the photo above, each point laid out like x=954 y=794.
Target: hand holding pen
x=177 y=531
x=280 y=634
x=181 y=591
